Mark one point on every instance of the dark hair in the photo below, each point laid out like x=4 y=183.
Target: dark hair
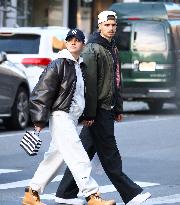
x=111 y=17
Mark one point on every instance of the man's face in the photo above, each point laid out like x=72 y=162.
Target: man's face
x=108 y=29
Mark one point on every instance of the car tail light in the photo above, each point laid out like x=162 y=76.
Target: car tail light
x=134 y=18
x=36 y=61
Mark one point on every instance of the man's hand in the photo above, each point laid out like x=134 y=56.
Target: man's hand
x=38 y=126
x=118 y=118
x=87 y=123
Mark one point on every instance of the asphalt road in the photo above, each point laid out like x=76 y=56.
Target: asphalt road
x=149 y=145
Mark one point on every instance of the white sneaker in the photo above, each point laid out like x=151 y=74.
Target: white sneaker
x=74 y=201
x=140 y=198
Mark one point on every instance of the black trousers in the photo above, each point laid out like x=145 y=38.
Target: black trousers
x=100 y=138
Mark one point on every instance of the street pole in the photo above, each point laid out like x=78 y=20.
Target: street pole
x=5 y=13
x=25 y=12
x=72 y=17
x=65 y=12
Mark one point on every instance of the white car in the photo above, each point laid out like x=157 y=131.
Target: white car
x=34 y=47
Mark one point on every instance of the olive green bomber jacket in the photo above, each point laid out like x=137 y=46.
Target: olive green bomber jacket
x=100 y=83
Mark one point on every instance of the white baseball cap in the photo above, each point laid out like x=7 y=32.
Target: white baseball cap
x=103 y=16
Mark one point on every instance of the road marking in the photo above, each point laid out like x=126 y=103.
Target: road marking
x=4 y=171
x=103 y=189
x=24 y=183
x=171 y=199
x=110 y=188
x=107 y=188
x=17 y=184
x=152 y=201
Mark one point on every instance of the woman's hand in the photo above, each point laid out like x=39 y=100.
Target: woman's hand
x=118 y=118
x=38 y=126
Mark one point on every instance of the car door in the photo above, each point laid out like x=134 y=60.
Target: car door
x=176 y=38
x=8 y=86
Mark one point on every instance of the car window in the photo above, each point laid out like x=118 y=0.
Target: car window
x=149 y=37
x=178 y=35
x=19 y=43
x=123 y=36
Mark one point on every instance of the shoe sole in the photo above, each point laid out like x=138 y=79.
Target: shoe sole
x=28 y=204
x=69 y=201
x=145 y=196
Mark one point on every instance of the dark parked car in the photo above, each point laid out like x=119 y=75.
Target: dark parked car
x=14 y=95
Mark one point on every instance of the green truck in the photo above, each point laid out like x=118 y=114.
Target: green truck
x=148 y=40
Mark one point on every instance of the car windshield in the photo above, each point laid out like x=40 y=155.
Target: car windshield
x=19 y=43
x=149 y=37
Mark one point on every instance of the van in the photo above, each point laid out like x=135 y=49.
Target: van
x=148 y=40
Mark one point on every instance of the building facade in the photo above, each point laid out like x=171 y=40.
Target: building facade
x=69 y=13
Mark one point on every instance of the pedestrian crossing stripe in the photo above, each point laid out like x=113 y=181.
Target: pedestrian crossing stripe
x=5 y=171
x=24 y=183
x=103 y=189
x=110 y=188
x=171 y=199
x=152 y=201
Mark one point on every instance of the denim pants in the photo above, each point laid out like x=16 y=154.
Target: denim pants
x=65 y=145
x=100 y=138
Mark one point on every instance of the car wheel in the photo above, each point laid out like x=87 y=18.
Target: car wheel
x=155 y=106
x=20 y=111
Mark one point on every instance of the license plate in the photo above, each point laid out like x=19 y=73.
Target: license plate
x=147 y=66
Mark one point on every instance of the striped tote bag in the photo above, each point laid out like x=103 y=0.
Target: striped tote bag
x=31 y=143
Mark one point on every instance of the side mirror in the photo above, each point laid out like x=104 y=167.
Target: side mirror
x=3 y=57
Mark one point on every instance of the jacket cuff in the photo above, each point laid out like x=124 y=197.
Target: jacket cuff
x=43 y=124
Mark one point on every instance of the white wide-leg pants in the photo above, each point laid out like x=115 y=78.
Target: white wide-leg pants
x=65 y=145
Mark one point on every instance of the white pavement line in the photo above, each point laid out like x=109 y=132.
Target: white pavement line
x=171 y=199
x=146 y=184
x=24 y=183
x=103 y=189
x=110 y=188
x=48 y=196
x=4 y=171
x=17 y=184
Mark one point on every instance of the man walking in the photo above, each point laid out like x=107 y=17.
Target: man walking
x=104 y=104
